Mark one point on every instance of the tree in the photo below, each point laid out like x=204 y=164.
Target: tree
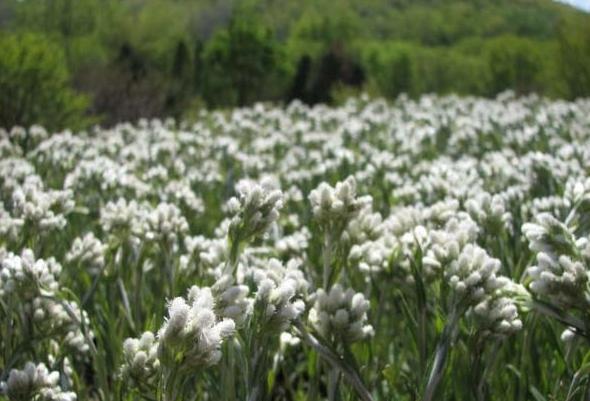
x=574 y=61
x=35 y=87
x=241 y=62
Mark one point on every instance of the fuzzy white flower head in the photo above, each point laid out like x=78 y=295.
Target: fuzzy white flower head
x=120 y=217
x=164 y=224
x=373 y=256
x=45 y=209
x=10 y=227
x=335 y=205
x=341 y=314
x=367 y=225
x=254 y=209
x=294 y=244
x=473 y=274
x=489 y=211
x=445 y=245
x=140 y=357
x=25 y=277
x=231 y=299
x=35 y=382
x=561 y=279
x=180 y=193
x=193 y=333
x=280 y=292
x=87 y=252
x=62 y=320
x=497 y=316
x=549 y=235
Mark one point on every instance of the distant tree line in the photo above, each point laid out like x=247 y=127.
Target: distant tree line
x=71 y=63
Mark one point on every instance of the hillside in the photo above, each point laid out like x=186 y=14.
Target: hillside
x=142 y=58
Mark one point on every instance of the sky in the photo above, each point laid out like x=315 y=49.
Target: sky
x=583 y=4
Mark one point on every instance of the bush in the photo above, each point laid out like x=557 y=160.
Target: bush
x=34 y=85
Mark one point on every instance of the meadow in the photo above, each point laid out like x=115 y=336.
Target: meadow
x=420 y=249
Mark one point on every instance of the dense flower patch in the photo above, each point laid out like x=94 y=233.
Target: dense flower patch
x=429 y=249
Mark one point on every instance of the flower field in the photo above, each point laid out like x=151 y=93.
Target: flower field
x=430 y=249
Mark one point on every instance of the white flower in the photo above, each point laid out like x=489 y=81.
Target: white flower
x=45 y=209
x=140 y=357
x=335 y=205
x=231 y=299
x=164 y=224
x=88 y=252
x=561 y=279
x=35 y=382
x=280 y=293
x=473 y=274
x=25 y=277
x=254 y=209
x=549 y=235
x=489 y=211
x=341 y=314
x=192 y=335
x=120 y=217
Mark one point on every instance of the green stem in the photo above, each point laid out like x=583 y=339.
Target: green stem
x=441 y=355
x=335 y=361
x=327 y=255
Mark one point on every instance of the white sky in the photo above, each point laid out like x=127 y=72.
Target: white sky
x=583 y=4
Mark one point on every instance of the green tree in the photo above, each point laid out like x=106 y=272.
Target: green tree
x=242 y=64
x=35 y=87
x=514 y=63
x=574 y=59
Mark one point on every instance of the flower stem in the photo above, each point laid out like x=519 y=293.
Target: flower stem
x=336 y=362
x=441 y=355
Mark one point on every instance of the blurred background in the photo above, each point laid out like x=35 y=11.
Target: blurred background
x=74 y=63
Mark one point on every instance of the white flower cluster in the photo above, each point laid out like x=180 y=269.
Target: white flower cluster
x=46 y=209
x=180 y=192
x=35 y=383
x=335 y=205
x=87 y=252
x=231 y=299
x=373 y=256
x=193 y=333
x=549 y=235
x=140 y=357
x=560 y=273
x=489 y=211
x=446 y=245
x=203 y=254
x=293 y=245
x=120 y=217
x=473 y=278
x=254 y=209
x=341 y=314
x=280 y=293
x=164 y=224
x=26 y=277
x=366 y=226
x=32 y=283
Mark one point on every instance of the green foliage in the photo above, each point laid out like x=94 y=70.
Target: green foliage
x=574 y=51
x=34 y=85
x=236 y=52
x=241 y=63
x=514 y=63
x=407 y=68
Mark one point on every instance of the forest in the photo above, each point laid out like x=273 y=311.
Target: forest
x=75 y=63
